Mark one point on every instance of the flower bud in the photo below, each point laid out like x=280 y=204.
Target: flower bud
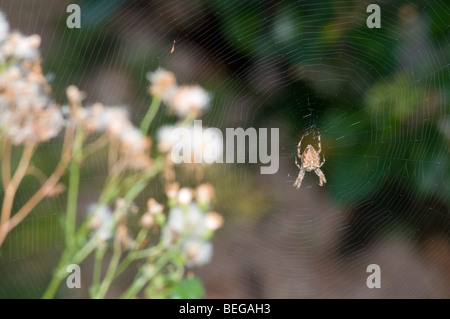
x=184 y=196
x=147 y=220
x=162 y=82
x=74 y=95
x=172 y=190
x=153 y=207
x=204 y=194
x=213 y=221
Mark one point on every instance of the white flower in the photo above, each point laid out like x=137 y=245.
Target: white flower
x=165 y=138
x=4 y=27
x=195 y=221
x=27 y=114
x=213 y=221
x=133 y=140
x=193 y=227
x=184 y=196
x=102 y=222
x=153 y=207
x=207 y=143
x=172 y=189
x=189 y=100
x=134 y=146
x=49 y=124
x=22 y=47
x=74 y=95
x=176 y=221
x=162 y=83
x=190 y=221
x=102 y=118
x=116 y=119
x=147 y=220
x=204 y=193
x=198 y=252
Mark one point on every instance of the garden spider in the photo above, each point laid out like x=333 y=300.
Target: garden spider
x=310 y=161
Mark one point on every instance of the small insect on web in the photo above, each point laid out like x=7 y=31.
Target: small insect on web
x=309 y=161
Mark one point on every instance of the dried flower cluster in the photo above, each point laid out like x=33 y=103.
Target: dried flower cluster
x=188 y=102
x=134 y=147
x=27 y=113
x=28 y=116
x=197 y=142
x=102 y=222
x=184 y=100
x=192 y=222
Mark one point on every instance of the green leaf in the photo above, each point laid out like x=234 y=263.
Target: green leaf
x=188 y=289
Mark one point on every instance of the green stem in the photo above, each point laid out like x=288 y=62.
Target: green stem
x=146 y=275
x=92 y=244
x=56 y=280
x=6 y=64
x=141 y=237
x=74 y=183
x=110 y=190
x=124 y=264
x=149 y=252
x=188 y=121
x=110 y=273
x=150 y=115
x=137 y=285
x=129 y=197
x=132 y=256
x=85 y=251
x=60 y=273
x=99 y=254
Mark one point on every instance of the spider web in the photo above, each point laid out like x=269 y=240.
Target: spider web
x=378 y=97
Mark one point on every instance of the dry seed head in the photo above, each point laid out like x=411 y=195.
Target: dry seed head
x=147 y=220
x=162 y=82
x=27 y=114
x=184 y=196
x=21 y=47
x=204 y=193
x=165 y=139
x=4 y=28
x=213 y=221
x=123 y=237
x=189 y=100
x=172 y=190
x=74 y=95
x=153 y=207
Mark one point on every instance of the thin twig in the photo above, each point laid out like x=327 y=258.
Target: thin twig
x=11 y=189
x=50 y=183
x=74 y=183
x=6 y=163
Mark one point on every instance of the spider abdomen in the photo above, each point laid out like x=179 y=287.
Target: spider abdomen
x=310 y=159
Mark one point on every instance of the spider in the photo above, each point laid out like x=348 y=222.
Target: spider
x=310 y=161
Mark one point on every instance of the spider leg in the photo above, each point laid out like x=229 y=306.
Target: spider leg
x=299 y=146
x=323 y=155
x=296 y=163
x=298 y=181
x=322 y=178
x=318 y=143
